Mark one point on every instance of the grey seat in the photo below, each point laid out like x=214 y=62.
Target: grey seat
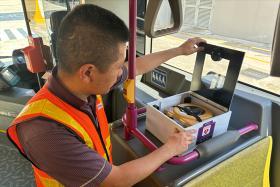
x=55 y=20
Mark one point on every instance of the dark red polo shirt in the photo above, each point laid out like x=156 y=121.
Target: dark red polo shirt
x=57 y=150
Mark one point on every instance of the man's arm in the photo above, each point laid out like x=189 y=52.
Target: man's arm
x=134 y=171
x=61 y=154
x=149 y=62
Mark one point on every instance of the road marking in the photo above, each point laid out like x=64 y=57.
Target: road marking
x=3 y=36
x=257 y=59
x=12 y=34
x=261 y=49
x=11 y=16
x=23 y=32
x=18 y=34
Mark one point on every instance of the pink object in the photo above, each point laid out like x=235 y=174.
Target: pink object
x=249 y=127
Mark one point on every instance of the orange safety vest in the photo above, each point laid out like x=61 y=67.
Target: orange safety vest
x=47 y=105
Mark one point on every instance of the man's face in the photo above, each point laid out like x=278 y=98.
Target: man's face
x=103 y=81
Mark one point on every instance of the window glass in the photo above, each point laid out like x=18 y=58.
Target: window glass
x=50 y=6
x=12 y=29
x=141 y=6
x=242 y=25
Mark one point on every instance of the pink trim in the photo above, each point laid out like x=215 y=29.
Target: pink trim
x=249 y=127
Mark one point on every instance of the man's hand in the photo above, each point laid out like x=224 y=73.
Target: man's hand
x=179 y=141
x=149 y=62
x=134 y=171
x=191 y=46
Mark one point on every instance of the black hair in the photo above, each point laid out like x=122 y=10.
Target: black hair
x=89 y=35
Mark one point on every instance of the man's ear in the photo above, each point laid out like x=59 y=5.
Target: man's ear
x=87 y=72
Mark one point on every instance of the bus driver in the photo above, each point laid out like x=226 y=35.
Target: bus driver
x=63 y=130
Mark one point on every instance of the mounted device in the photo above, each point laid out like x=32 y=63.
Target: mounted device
x=8 y=77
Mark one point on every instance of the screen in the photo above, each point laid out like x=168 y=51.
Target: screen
x=7 y=75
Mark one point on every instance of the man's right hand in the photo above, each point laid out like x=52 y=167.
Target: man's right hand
x=178 y=142
x=134 y=171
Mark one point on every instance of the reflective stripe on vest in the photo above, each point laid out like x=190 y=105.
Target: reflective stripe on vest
x=47 y=105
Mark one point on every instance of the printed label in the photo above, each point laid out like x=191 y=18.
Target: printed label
x=159 y=78
x=205 y=132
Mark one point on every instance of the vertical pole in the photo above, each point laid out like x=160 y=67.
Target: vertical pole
x=131 y=112
x=132 y=39
x=26 y=18
x=275 y=62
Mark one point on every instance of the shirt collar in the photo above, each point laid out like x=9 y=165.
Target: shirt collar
x=57 y=88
